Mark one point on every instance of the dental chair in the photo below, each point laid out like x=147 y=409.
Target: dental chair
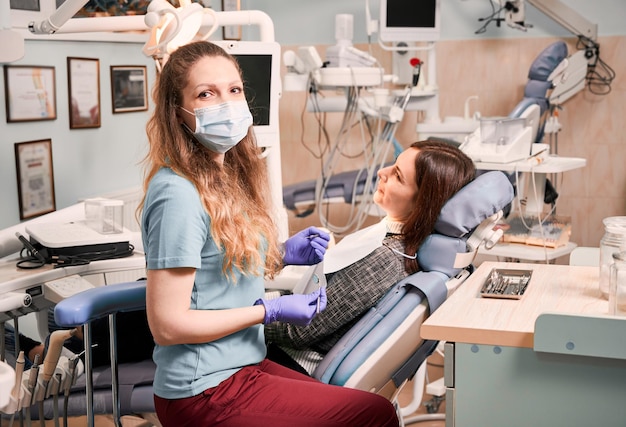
x=540 y=82
x=549 y=84
x=379 y=354
x=383 y=350
x=342 y=187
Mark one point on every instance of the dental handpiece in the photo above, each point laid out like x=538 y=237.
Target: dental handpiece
x=50 y=361
x=19 y=370
x=73 y=362
x=32 y=378
x=57 y=338
x=55 y=406
x=31 y=385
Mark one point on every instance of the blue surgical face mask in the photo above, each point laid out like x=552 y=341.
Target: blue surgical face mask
x=220 y=127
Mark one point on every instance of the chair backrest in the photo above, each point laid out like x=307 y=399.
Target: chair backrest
x=536 y=89
x=384 y=348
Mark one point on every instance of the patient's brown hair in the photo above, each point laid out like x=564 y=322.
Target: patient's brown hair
x=441 y=170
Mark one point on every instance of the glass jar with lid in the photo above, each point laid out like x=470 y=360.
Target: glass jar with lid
x=614 y=240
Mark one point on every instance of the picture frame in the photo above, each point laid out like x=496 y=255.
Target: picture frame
x=129 y=88
x=30 y=93
x=35 y=178
x=84 y=92
x=231 y=32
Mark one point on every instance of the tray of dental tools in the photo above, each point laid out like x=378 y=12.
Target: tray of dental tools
x=506 y=283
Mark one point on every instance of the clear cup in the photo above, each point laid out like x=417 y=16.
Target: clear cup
x=617 y=285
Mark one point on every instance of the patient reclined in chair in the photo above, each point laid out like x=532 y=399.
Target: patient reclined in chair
x=463 y=213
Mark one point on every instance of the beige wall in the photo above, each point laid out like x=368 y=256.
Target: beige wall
x=594 y=127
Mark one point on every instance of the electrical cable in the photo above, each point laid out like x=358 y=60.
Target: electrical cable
x=600 y=75
x=376 y=142
x=540 y=219
x=336 y=152
x=320 y=119
x=87 y=257
x=490 y=18
x=360 y=202
x=29 y=262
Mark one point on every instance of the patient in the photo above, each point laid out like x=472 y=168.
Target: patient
x=412 y=193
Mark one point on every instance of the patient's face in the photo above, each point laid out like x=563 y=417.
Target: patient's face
x=396 y=186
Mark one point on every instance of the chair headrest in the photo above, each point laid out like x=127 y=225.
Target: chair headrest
x=547 y=61
x=479 y=200
x=486 y=195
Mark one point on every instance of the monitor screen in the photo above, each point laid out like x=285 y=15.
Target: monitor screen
x=257 y=74
x=409 y=21
x=260 y=65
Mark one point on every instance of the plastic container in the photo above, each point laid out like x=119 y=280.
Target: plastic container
x=617 y=285
x=500 y=130
x=613 y=241
x=104 y=215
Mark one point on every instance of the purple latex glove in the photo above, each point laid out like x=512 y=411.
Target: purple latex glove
x=306 y=247
x=298 y=309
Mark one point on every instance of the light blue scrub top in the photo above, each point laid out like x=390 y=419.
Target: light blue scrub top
x=175 y=233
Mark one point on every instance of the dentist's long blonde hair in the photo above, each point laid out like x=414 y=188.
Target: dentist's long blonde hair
x=234 y=195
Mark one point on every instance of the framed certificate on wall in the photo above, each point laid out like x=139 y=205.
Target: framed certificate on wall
x=30 y=93
x=129 y=88
x=35 y=178
x=84 y=92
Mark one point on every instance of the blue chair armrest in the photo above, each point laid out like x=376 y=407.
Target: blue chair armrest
x=99 y=302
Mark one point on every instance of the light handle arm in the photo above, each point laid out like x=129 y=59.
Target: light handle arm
x=63 y=14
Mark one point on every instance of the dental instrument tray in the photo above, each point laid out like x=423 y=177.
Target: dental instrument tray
x=506 y=283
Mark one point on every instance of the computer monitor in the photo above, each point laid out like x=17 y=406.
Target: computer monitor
x=409 y=21
x=260 y=65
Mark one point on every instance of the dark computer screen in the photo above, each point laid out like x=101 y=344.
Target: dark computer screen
x=257 y=74
x=411 y=14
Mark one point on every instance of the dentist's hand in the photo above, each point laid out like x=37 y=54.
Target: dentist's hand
x=306 y=247
x=297 y=309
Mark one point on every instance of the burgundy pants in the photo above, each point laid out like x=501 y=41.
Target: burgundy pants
x=270 y=395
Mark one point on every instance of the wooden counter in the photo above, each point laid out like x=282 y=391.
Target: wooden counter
x=469 y=318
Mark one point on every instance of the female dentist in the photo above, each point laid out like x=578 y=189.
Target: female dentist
x=209 y=242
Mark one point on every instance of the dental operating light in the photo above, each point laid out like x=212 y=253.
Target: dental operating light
x=174 y=27
x=170 y=27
